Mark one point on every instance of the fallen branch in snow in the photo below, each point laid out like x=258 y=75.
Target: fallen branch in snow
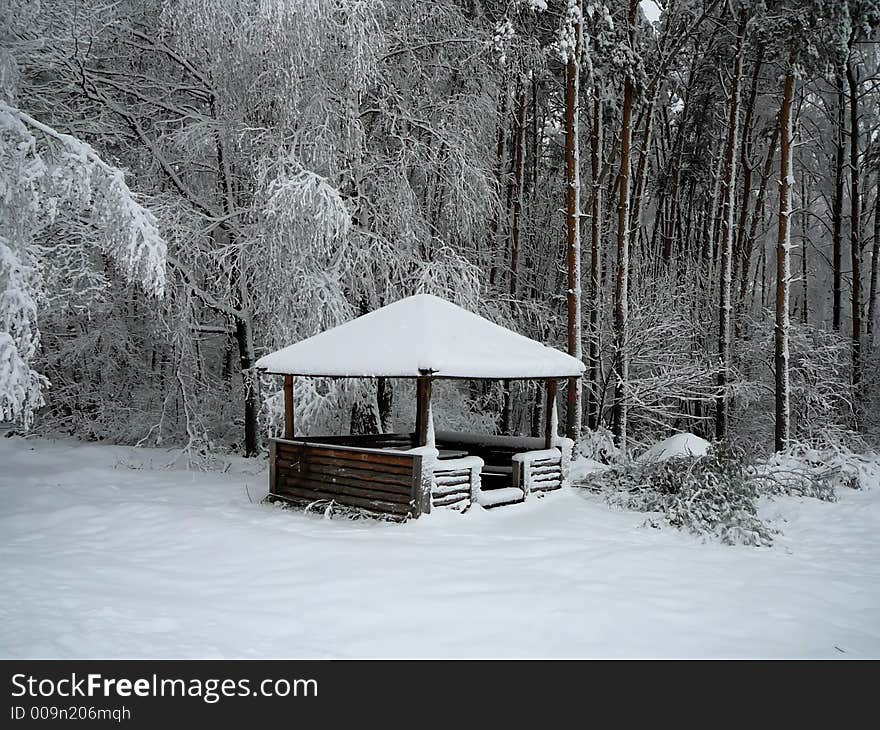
x=716 y=493
x=711 y=494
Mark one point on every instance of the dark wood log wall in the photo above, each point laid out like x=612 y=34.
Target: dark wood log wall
x=378 y=481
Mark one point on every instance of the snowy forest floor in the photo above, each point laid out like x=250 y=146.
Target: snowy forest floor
x=106 y=553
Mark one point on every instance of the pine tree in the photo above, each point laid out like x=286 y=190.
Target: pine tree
x=783 y=268
x=725 y=307
x=573 y=41
x=621 y=292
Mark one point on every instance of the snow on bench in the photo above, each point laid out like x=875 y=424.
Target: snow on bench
x=497 y=497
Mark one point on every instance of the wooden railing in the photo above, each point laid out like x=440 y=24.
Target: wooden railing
x=456 y=482
x=538 y=471
x=379 y=474
x=372 y=479
x=367 y=440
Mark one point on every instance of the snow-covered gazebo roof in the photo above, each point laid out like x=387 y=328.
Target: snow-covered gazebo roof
x=418 y=336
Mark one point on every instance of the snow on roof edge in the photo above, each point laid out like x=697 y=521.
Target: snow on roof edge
x=421 y=335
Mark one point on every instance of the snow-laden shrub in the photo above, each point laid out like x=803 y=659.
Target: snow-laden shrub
x=599 y=446
x=712 y=495
x=818 y=468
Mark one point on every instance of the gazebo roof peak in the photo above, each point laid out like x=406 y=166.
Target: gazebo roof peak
x=421 y=335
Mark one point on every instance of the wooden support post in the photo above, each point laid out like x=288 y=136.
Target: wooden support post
x=423 y=404
x=549 y=435
x=288 y=406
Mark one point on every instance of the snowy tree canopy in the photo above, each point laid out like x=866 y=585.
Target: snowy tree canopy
x=310 y=162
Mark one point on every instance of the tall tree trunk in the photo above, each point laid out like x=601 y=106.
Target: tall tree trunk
x=536 y=136
x=573 y=425
x=501 y=145
x=596 y=144
x=532 y=262
x=783 y=267
x=642 y=171
x=385 y=402
x=505 y=424
x=670 y=190
x=244 y=334
x=805 y=288
x=764 y=299
x=244 y=337
x=621 y=293
x=714 y=215
x=725 y=306
x=875 y=264
x=536 y=409
x=519 y=181
x=748 y=248
x=745 y=153
x=837 y=206
x=855 y=224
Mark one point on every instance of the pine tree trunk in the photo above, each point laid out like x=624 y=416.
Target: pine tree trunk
x=725 y=307
x=748 y=248
x=533 y=263
x=494 y=226
x=747 y=167
x=855 y=225
x=385 y=402
x=573 y=425
x=245 y=340
x=783 y=268
x=244 y=335
x=670 y=191
x=837 y=207
x=713 y=216
x=875 y=264
x=621 y=293
x=764 y=298
x=519 y=181
x=536 y=136
x=506 y=409
x=596 y=145
x=805 y=288
x=642 y=172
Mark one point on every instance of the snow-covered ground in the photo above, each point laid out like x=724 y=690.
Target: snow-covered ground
x=104 y=553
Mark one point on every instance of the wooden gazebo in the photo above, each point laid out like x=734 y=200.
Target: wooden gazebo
x=405 y=474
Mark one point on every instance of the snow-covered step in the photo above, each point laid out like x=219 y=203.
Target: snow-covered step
x=505 y=495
